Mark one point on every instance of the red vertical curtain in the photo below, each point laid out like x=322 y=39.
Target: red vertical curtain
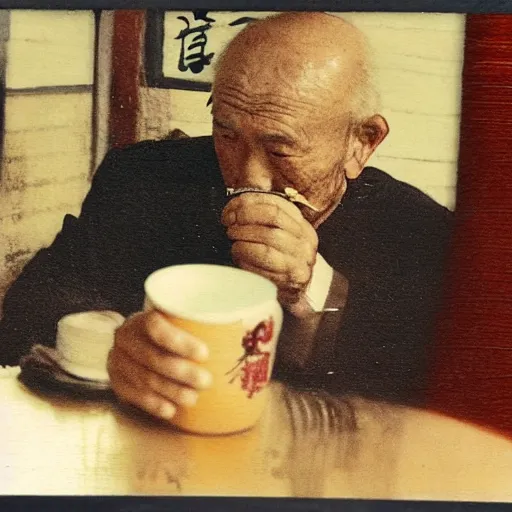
x=472 y=370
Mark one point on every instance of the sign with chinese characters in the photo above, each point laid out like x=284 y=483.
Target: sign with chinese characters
x=194 y=39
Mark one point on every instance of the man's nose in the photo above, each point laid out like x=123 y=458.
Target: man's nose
x=254 y=173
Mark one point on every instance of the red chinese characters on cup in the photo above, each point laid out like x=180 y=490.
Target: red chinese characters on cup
x=255 y=373
x=255 y=362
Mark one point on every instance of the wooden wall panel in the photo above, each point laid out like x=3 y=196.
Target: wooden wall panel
x=126 y=61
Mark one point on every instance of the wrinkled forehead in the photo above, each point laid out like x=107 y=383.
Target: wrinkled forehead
x=282 y=75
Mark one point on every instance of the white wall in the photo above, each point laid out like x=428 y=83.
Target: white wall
x=50 y=48
x=419 y=62
x=45 y=165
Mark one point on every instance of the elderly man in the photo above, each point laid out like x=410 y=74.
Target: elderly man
x=357 y=256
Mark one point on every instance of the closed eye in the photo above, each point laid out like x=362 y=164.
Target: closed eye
x=221 y=125
x=280 y=151
x=278 y=154
x=223 y=131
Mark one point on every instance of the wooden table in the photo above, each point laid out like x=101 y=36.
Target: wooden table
x=306 y=445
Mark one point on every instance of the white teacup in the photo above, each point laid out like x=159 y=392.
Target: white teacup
x=84 y=341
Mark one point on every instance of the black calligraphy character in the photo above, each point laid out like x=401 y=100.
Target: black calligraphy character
x=201 y=14
x=193 y=44
x=242 y=21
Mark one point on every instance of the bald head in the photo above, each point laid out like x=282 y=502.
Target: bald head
x=314 y=55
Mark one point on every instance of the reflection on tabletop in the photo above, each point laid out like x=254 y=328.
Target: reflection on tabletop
x=306 y=445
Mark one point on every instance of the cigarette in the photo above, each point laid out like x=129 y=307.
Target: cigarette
x=289 y=193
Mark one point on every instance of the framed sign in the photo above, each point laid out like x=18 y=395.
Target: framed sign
x=182 y=46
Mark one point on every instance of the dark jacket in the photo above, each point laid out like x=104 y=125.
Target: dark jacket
x=156 y=204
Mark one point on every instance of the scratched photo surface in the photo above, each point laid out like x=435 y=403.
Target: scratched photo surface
x=58 y=101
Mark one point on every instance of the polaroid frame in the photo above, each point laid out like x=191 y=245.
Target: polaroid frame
x=214 y=504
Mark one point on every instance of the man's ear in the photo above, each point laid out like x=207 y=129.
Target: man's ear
x=364 y=142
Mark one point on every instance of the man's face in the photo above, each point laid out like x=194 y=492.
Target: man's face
x=271 y=135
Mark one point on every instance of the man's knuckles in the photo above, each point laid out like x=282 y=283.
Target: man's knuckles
x=259 y=255
x=149 y=401
x=131 y=327
x=277 y=238
x=298 y=277
x=296 y=266
x=253 y=198
x=148 y=390
x=156 y=327
x=273 y=230
x=180 y=395
x=267 y=215
x=178 y=369
x=269 y=206
x=275 y=214
x=143 y=353
x=166 y=336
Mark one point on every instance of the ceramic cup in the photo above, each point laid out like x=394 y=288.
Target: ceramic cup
x=236 y=313
x=84 y=341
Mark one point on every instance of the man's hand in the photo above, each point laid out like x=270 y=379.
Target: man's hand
x=272 y=238
x=154 y=365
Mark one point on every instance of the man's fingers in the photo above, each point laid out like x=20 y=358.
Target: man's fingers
x=277 y=238
x=151 y=402
x=282 y=281
x=266 y=214
x=270 y=214
x=260 y=255
x=146 y=371
x=272 y=238
x=168 y=365
x=124 y=368
x=251 y=199
x=263 y=257
x=172 y=339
